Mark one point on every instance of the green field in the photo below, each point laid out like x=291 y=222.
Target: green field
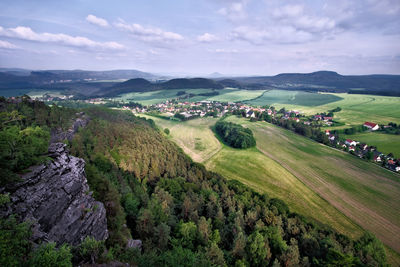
x=356 y=109
x=299 y=98
x=386 y=143
x=225 y=95
x=366 y=193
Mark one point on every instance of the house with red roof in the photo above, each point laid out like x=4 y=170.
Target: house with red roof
x=372 y=126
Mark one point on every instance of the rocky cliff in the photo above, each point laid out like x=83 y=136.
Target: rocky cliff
x=56 y=198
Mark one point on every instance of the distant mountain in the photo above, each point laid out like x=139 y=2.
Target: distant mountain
x=13 y=78
x=193 y=83
x=328 y=81
x=88 y=83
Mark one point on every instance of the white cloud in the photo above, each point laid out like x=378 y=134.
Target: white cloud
x=234 y=11
x=281 y=34
x=207 y=37
x=288 y=11
x=293 y=15
x=97 y=21
x=7 y=45
x=224 y=50
x=26 y=33
x=148 y=34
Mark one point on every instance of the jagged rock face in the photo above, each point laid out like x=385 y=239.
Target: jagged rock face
x=56 y=198
x=80 y=122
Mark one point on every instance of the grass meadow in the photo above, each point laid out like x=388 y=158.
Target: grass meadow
x=362 y=191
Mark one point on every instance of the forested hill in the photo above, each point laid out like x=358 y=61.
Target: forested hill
x=179 y=213
x=328 y=81
x=142 y=85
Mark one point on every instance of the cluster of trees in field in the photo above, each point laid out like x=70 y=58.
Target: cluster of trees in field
x=235 y=135
x=392 y=128
x=183 y=214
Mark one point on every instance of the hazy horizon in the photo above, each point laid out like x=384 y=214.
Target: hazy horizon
x=242 y=37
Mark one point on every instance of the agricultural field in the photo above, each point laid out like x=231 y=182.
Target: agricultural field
x=298 y=98
x=364 y=192
x=154 y=97
x=386 y=143
x=356 y=109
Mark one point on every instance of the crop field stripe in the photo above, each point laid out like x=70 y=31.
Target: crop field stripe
x=364 y=192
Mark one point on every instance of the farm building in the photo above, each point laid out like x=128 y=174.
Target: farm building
x=372 y=126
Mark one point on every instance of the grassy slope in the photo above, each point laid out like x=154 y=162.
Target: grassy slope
x=367 y=194
x=193 y=136
x=386 y=143
x=263 y=174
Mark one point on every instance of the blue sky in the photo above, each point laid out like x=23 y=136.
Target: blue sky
x=242 y=37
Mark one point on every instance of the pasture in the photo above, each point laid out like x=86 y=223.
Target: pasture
x=298 y=98
x=365 y=193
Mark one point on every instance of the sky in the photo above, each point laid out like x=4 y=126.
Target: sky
x=185 y=37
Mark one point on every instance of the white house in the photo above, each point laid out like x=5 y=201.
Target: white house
x=350 y=142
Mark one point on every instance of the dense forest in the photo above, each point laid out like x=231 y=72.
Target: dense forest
x=235 y=135
x=183 y=214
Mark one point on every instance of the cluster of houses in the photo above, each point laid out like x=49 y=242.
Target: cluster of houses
x=199 y=109
x=362 y=150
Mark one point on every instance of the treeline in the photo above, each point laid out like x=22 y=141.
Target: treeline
x=235 y=135
x=375 y=92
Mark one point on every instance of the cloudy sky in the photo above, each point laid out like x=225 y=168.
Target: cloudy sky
x=252 y=37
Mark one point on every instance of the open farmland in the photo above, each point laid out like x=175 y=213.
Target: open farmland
x=356 y=109
x=386 y=143
x=298 y=98
x=366 y=193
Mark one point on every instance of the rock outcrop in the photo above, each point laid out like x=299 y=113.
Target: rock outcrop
x=59 y=135
x=55 y=197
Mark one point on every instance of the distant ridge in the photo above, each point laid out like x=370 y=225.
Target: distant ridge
x=108 y=83
x=142 y=85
